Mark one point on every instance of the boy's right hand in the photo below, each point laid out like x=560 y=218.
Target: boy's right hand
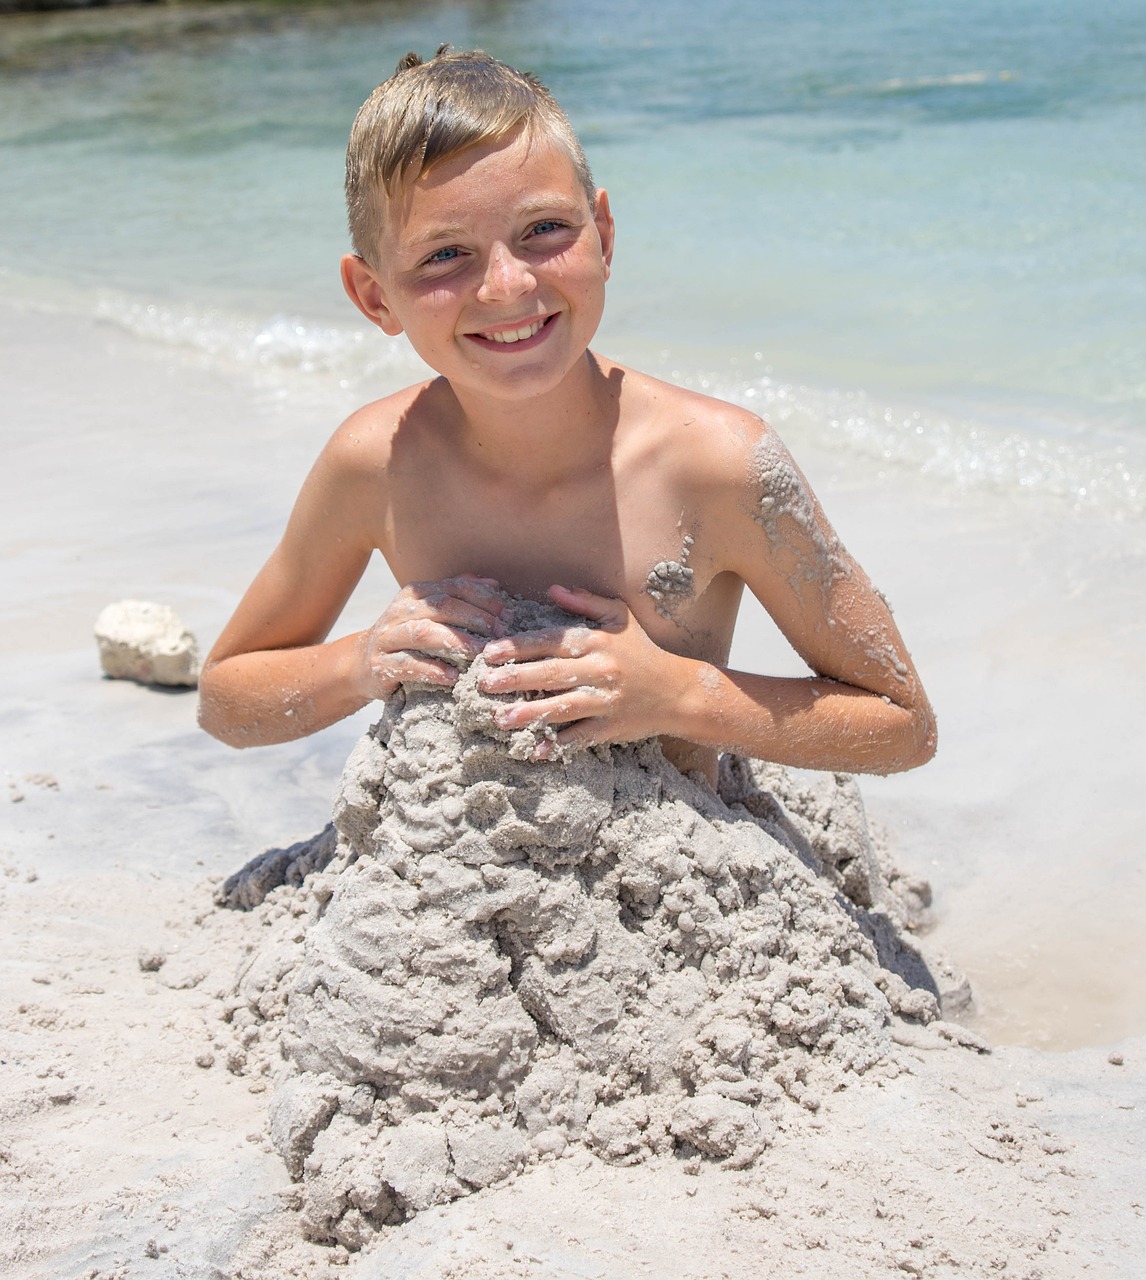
x=428 y=629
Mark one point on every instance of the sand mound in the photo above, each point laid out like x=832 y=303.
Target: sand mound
x=506 y=957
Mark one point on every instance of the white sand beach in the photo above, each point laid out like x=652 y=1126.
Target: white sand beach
x=129 y=1149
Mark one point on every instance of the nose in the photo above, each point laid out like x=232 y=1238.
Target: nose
x=506 y=276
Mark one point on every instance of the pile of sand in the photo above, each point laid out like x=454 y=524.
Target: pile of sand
x=506 y=957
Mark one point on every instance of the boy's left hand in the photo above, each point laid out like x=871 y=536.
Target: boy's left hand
x=610 y=683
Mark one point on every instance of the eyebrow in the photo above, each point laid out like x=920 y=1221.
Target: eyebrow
x=544 y=204
x=541 y=204
x=455 y=232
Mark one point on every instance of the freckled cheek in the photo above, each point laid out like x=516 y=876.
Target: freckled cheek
x=427 y=311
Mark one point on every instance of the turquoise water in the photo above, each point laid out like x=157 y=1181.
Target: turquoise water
x=914 y=229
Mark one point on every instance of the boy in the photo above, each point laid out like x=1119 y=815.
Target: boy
x=530 y=460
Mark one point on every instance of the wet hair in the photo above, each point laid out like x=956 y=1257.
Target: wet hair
x=429 y=111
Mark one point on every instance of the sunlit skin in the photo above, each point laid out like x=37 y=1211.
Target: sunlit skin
x=531 y=463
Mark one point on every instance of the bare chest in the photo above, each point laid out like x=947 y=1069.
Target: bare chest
x=630 y=538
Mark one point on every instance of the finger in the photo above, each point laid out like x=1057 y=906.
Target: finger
x=585 y=733
x=560 y=709
x=602 y=609
x=528 y=646
x=530 y=677
x=412 y=668
x=483 y=592
x=438 y=605
x=426 y=636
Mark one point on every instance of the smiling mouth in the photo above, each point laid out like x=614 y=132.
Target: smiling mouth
x=507 y=337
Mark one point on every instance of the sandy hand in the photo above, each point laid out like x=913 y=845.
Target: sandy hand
x=429 y=630
x=610 y=683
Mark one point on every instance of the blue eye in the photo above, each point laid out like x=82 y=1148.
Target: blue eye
x=443 y=255
x=544 y=228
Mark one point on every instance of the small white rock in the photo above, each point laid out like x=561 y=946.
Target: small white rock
x=146 y=642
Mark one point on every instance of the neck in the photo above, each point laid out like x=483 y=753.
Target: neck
x=545 y=439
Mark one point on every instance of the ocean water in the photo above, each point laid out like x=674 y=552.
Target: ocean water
x=911 y=230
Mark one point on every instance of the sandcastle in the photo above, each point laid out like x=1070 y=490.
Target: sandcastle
x=504 y=957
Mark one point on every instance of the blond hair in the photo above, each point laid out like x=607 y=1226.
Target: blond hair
x=429 y=111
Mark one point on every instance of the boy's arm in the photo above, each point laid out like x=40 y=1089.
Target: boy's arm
x=272 y=676
x=862 y=710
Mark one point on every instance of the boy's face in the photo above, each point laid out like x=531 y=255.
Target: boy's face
x=494 y=265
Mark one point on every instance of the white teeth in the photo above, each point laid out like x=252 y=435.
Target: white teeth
x=517 y=335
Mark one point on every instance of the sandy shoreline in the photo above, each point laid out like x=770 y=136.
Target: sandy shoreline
x=120 y=814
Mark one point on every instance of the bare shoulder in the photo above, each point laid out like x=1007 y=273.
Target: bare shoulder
x=343 y=501
x=354 y=476
x=711 y=441
x=364 y=442
x=736 y=483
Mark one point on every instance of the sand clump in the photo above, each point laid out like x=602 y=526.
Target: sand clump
x=146 y=642
x=500 y=959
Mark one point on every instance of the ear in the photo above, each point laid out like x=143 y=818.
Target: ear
x=603 y=219
x=365 y=290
